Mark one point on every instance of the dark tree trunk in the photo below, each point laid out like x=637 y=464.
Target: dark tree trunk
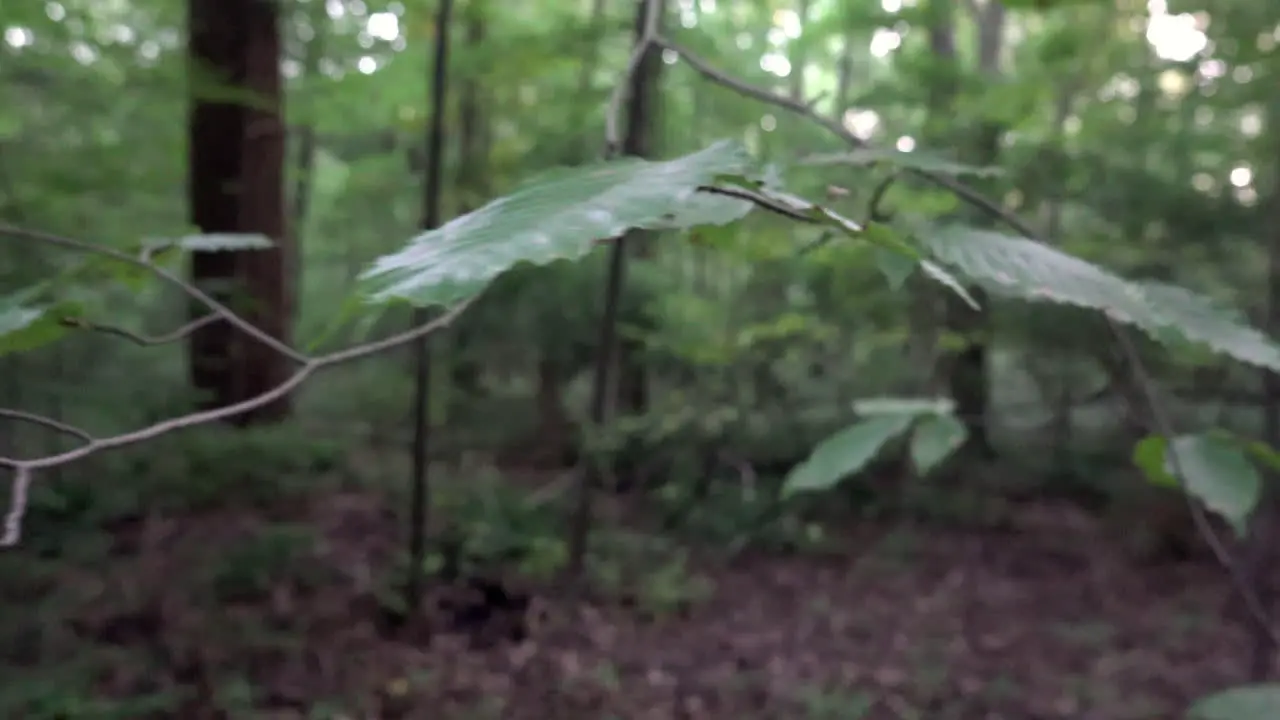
x=236 y=185
x=467 y=369
x=970 y=367
x=642 y=129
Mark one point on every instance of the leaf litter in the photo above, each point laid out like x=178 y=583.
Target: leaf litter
x=955 y=624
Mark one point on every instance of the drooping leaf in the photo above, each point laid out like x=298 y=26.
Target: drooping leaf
x=1214 y=470
x=1247 y=702
x=1022 y=268
x=559 y=215
x=845 y=453
x=916 y=228
x=894 y=266
x=949 y=281
x=935 y=438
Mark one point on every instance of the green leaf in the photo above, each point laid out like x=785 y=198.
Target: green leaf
x=559 y=215
x=26 y=327
x=934 y=439
x=844 y=453
x=895 y=267
x=15 y=318
x=1247 y=702
x=914 y=160
x=947 y=279
x=1215 y=471
x=702 y=209
x=1022 y=268
x=886 y=238
x=1263 y=453
x=914 y=407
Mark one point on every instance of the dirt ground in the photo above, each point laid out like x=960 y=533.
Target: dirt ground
x=921 y=624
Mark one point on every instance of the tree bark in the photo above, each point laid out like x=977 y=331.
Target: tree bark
x=969 y=372
x=642 y=130
x=236 y=185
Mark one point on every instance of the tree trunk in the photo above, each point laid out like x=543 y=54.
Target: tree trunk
x=799 y=55
x=312 y=52
x=1264 y=530
x=969 y=375
x=554 y=364
x=236 y=185
x=642 y=129
x=467 y=370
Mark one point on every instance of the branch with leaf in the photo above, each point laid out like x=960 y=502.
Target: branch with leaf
x=39 y=315
x=1214 y=469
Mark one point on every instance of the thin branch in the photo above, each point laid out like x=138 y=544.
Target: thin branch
x=207 y=416
x=875 y=213
x=964 y=192
x=145 y=340
x=1160 y=417
x=46 y=422
x=759 y=201
x=1164 y=428
x=25 y=469
x=613 y=114
x=143 y=263
x=19 y=493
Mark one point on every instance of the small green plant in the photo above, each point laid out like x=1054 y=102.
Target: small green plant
x=824 y=704
x=252 y=566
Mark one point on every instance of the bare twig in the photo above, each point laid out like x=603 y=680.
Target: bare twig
x=140 y=339
x=43 y=421
x=964 y=192
x=17 y=507
x=760 y=201
x=24 y=469
x=618 y=99
x=143 y=262
x=1159 y=415
x=207 y=416
x=875 y=213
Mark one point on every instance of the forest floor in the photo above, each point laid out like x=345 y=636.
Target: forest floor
x=179 y=617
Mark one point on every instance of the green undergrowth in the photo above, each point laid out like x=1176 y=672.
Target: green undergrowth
x=211 y=546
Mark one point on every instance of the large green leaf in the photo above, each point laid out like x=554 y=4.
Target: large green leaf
x=1214 y=470
x=933 y=439
x=845 y=453
x=1247 y=702
x=559 y=215
x=1022 y=268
